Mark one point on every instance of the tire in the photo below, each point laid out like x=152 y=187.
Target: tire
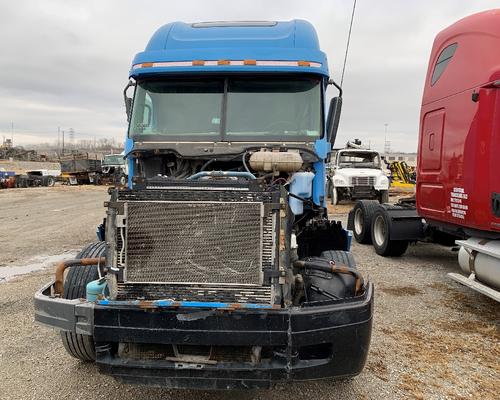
x=339 y=285
x=77 y=345
x=335 y=196
x=123 y=180
x=51 y=181
x=363 y=214
x=382 y=243
x=383 y=196
x=341 y=257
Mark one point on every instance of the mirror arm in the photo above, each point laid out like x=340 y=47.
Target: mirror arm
x=339 y=88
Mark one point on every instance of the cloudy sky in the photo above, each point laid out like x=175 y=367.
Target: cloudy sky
x=64 y=63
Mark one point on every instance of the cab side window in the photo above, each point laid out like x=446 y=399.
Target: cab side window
x=442 y=61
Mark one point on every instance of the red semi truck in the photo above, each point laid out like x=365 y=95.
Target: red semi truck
x=458 y=177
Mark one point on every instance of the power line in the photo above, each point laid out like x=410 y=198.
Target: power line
x=348 y=42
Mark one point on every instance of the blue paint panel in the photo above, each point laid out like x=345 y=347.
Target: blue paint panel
x=187 y=304
x=322 y=148
x=129 y=145
x=285 y=41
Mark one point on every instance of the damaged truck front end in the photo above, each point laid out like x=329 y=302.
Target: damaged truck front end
x=218 y=267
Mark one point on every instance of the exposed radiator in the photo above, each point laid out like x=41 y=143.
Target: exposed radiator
x=199 y=242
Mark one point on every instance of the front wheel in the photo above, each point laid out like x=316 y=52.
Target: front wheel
x=382 y=242
x=335 y=196
x=383 y=196
x=123 y=180
x=75 y=285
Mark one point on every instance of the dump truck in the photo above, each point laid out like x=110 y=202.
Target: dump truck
x=458 y=185
x=218 y=267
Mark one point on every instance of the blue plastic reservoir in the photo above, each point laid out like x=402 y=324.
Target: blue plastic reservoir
x=301 y=186
x=95 y=289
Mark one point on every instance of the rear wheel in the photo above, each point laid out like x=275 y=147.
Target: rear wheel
x=75 y=284
x=382 y=243
x=363 y=213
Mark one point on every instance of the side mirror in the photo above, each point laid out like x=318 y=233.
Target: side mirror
x=332 y=122
x=128 y=107
x=128 y=100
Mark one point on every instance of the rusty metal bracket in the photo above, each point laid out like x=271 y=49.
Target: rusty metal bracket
x=61 y=267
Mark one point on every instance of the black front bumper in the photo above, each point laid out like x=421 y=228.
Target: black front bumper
x=344 y=328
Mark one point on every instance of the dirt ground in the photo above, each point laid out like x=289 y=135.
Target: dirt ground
x=432 y=338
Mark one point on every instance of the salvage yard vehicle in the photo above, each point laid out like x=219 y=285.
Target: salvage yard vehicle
x=80 y=168
x=7 y=179
x=458 y=184
x=218 y=267
x=38 y=177
x=401 y=175
x=356 y=173
x=114 y=170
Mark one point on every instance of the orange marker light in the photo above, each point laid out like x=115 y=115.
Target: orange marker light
x=198 y=62
x=249 y=62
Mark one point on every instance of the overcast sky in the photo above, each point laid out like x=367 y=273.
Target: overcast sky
x=64 y=63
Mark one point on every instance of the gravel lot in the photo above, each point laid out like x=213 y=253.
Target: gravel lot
x=432 y=338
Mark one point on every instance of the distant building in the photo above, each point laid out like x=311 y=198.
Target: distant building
x=409 y=158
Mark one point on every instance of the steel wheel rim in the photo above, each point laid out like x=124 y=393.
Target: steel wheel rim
x=379 y=230
x=358 y=221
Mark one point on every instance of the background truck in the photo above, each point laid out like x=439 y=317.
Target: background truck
x=458 y=184
x=114 y=170
x=356 y=173
x=37 y=177
x=7 y=179
x=80 y=168
x=218 y=266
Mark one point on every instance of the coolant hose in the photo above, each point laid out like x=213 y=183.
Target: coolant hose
x=332 y=267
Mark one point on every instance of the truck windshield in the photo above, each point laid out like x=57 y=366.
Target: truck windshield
x=236 y=109
x=358 y=159
x=113 y=159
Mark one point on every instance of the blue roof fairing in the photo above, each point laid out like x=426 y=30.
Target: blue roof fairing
x=294 y=40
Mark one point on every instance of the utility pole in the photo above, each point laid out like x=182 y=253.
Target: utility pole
x=62 y=152
x=12 y=132
x=72 y=137
x=58 y=139
x=387 y=143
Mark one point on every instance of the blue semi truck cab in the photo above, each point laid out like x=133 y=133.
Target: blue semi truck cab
x=218 y=267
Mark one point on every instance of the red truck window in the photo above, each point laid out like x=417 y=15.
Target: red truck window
x=442 y=61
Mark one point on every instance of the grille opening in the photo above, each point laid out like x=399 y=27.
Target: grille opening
x=204 y=293
x=182 y=352
x=362 y=180
x=315 y=351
